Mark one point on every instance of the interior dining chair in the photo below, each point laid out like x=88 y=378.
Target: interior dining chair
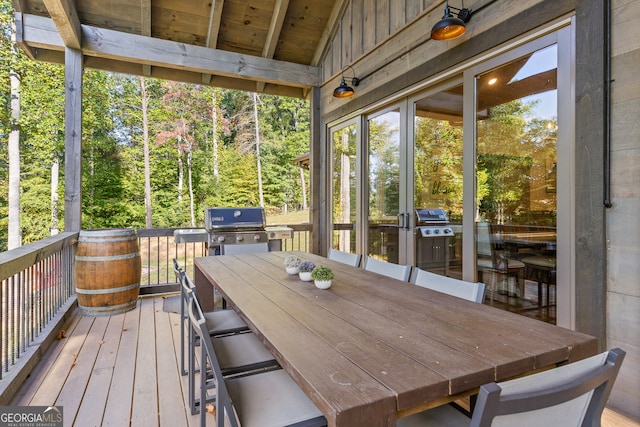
x=395 y=271
x=493 y=260
x=241 y=353
x=268 y=399
x=344 y=257
x=572 y=395
x=449 y=285
x=247 y=248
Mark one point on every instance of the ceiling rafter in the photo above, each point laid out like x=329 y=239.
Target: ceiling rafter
x=145 y=25
x=273 y=35
x=215 y=17
x=65 y=16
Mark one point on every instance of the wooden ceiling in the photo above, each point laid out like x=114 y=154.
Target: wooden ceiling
x=271 y=46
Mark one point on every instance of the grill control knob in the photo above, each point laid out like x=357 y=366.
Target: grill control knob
x=447 y=231
x=436 y=231
x=239 y=239
x=256 y=237
x=427 y=231
x=220 y=239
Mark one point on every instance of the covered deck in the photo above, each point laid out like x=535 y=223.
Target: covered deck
x=125 y=370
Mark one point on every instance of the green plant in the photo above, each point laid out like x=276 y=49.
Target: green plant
x=292 y=261
x=306 y=266
x=322 y=273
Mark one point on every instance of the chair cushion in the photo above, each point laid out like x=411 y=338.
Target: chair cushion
x=270 y=399
x=241 y=351
x=222 y=322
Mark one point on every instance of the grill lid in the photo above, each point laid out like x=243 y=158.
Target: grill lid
x=234 y=218
x=432 y=216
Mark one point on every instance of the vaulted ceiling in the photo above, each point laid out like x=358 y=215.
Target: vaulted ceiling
x=270 y=46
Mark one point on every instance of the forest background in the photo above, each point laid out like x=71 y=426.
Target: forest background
x=206 y=147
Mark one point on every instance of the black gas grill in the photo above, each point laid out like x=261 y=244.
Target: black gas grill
x=432 y=240
x=235 y=226
x=242 y=226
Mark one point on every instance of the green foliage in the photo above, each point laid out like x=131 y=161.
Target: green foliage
x=181 y=146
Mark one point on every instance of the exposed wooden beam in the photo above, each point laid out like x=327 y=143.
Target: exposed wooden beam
x=145 y=25
x=65 y=16
x=99 y=42
x=215 y=17
x=273 y=35
x=17 y=17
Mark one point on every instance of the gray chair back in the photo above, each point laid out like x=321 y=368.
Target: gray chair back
x=395 y=271
x=570 y=395
x=448 y=285
x=344 y=257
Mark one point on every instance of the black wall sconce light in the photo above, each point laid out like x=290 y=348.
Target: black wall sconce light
x=344 y=90
x=450 y=27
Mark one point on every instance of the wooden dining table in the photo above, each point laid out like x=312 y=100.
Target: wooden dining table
x=371 y=349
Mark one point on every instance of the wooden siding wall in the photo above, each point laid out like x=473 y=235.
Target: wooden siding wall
x=623 y=220
x=388 y=45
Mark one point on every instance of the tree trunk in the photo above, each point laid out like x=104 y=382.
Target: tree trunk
x=147 y=166
x=14 y=232
x=214 y=130
x=55 y=169
x=255 y=117
x=180 y=170
x=189 y=177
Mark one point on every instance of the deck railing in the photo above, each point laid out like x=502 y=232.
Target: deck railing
x=37 y=286
x=158 y=248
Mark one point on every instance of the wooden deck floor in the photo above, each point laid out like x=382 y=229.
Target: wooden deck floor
x=115 y=371
x=123 y=370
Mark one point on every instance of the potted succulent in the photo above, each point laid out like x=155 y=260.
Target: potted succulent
x=322 y=277
x=305 y=268
x=291 y=263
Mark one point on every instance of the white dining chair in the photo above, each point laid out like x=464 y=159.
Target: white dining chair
x=247 y=248
x=268 y=399
x=344 y=257
x=472 y=291
x=395 y=271
x=572 y=395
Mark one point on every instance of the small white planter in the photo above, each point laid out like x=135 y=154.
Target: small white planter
x=305 y=276
x=322 y=284
x=292 y=270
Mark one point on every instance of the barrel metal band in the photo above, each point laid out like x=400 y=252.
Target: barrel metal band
x=107 y=291
x=89 y=239
x=108 y=310
x=107 y=258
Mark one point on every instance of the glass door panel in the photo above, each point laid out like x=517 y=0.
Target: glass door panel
x=344 y=144
x=438 y=183
x=383 y=190
x=516 y=169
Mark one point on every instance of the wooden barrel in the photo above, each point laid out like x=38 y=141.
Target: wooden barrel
x=107 y=271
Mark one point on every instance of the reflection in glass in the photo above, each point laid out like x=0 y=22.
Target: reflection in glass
x=438 y=177
x=384 y=186
x=516 y=125
x=344 y=188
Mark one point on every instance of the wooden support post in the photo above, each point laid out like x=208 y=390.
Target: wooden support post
x=73 y=140
x=317 y=162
